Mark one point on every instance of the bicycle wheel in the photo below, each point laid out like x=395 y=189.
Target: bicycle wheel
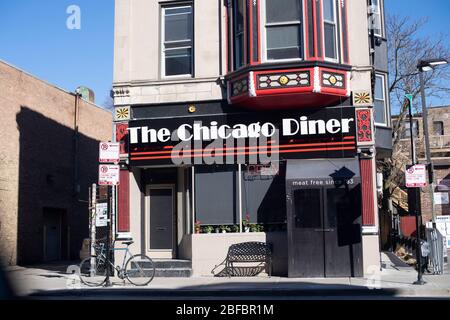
x=90 y=275
x=140 y=270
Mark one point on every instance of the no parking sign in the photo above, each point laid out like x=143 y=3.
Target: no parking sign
x=108 y=175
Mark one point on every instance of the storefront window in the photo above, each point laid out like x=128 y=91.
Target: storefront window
x=264 y=194
x=177 y=43
x=216 y=195
x=283 y=29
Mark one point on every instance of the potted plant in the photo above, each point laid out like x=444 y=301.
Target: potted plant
x=197 y=227
x=235 y=228
x=224 y=229
x=208 y=229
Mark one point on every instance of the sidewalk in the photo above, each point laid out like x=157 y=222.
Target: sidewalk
x=394 y=281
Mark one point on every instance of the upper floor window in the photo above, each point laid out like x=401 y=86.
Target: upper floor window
x=177 y=43
x=438 y=128
x=330 y=29
x=283 y=29
x=238 y=23
x=406 y=134
x=376 y=18
x=380 y=100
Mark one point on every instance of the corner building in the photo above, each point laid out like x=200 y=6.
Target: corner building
x=307 y=78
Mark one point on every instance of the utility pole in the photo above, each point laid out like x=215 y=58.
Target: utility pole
x=414 y=203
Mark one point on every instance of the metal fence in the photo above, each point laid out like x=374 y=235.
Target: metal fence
x=436 y=250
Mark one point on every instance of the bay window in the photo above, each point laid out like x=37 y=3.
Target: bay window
x=283 y=29
x=177 y=43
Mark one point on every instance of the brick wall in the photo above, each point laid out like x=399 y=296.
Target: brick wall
x=37 y=163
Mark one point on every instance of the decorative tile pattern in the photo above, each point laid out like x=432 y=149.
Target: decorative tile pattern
x=362 y=98
x=288 y=80
x=121 y=136
x=333 y=80
x=239 y=87
x=364 y=125
x=122 y=113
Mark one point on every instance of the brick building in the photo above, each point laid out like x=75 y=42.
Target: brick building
x=48 y=159
x=439 y=132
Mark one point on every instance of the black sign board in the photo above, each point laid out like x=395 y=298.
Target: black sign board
x=243 y=137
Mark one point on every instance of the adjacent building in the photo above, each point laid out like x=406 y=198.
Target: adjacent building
x=48 y=160
x=266 y=114
x=439 y=129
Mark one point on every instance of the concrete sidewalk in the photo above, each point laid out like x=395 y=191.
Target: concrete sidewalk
x=395 y=280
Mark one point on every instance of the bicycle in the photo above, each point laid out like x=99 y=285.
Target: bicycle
x=139 y=269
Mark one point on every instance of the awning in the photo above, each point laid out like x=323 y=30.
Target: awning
x=322 y=169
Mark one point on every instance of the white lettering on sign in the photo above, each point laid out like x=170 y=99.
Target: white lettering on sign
x=199 y=132
x=109 y=152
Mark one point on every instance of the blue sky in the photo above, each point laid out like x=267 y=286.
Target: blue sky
x=34 y=37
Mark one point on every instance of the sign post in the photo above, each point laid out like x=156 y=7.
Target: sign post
x=108 y=175
x=416 y=177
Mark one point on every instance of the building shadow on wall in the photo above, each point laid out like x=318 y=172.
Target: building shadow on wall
x=52 y=201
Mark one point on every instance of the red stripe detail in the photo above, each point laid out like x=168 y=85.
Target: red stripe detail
x=305 y=15
x=250 y=21
x=283 y=146
x=315 y=28
x=345 y=44
x=123 y=198
x=368 y=206
x=244 y=153
x=258 y=11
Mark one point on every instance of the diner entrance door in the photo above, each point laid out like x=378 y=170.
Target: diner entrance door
x=161 y=221
x=324 y=222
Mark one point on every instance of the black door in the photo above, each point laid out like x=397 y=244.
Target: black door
x=305 y=250
x=161 y=219
x=342 y=232
x=324 y=232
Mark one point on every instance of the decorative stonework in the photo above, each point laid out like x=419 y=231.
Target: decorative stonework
x=364 y=126
x=362 y=98
x=121 y=136
x=239 y=87
x=121 y=92
x=122 y=113
x=288 y=80
x=333 y=80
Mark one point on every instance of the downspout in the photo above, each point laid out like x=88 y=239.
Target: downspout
x=75 y=163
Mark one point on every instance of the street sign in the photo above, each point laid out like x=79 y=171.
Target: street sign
x=416 y=176
x=109 y=152
x=101 y=214
x=108 y=175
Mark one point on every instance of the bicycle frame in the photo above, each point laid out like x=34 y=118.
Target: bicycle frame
x=101 y=257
